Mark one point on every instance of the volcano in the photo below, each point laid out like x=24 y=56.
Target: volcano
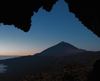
x=61 y=49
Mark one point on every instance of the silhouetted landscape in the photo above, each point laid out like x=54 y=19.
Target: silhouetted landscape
x=61 y=62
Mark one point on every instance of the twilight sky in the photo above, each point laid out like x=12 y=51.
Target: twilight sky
x=47 y=29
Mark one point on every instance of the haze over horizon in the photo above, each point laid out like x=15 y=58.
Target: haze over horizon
x=47 y=30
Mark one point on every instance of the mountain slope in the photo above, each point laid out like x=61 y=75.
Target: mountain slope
x=61 y=49
x=66 y=55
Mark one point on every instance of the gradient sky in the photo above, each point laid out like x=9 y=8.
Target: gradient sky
x=47 y=29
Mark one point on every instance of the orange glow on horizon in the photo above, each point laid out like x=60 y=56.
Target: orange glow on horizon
x=18 y=53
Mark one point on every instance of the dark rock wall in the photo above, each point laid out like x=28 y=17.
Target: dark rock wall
x=19 y=13
x=87 y=11
x=95 y=74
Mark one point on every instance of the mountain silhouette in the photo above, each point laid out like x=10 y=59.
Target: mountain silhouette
x=51 y=60
x=61 y=49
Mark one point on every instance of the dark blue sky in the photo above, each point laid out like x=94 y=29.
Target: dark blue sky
x=48 y=29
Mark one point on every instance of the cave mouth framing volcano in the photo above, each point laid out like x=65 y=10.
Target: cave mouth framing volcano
x=19 y=13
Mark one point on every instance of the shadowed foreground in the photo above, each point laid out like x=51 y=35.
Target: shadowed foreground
x=44 y=68
x=61 y=62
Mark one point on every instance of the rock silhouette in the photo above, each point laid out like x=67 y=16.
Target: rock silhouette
x=19 y=13
x=87 y=11
x=95 y=74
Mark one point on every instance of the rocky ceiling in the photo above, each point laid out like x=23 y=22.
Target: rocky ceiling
x=19 y=13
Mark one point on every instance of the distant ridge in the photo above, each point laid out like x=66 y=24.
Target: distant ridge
x=61 y=49
x=50 y=60
x=7 y=57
